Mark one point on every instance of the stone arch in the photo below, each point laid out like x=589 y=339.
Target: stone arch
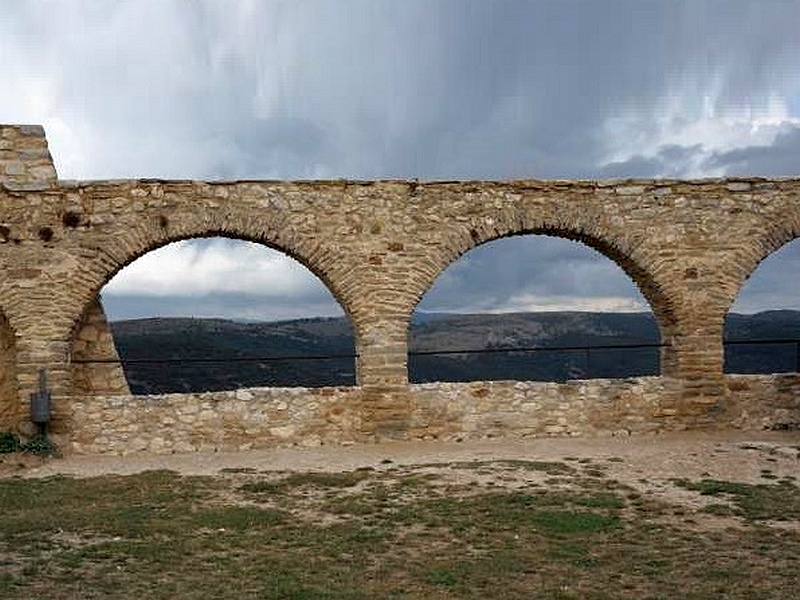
x=635 y=262
x=9 y=396
x=523 y=326
x=781 y=230
x=138 y=243
x=154 y=232
x=772 y=322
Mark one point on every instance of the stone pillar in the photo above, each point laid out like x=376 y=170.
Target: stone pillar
x=699 y=366
x=9 y=399
x=25 y=161
x=668 y=360
x=93 y=341
x=383 y=354
x=383 y=376
x=26 y=166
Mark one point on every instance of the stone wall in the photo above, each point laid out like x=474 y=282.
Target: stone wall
x=763 y=401
x=378 y=246
x=281 y=417
x=213 y=421
x=537 y=409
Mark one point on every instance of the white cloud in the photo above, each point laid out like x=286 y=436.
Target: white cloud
x=774 y=284
x=196 y=267
x=699 y=129
x=527 y=302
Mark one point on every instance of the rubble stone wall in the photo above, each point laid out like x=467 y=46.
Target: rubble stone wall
x=96 y=369
x=378 y=246
x=281 y=417
x=213 y=421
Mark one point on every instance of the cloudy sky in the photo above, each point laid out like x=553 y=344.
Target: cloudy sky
x=402 y=89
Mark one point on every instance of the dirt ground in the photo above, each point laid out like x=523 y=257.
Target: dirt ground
x=732 y=456
x=651 y=465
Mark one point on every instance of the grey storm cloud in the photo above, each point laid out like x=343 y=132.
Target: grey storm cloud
x=424 y=89
x=774 y=285
x=669 y=161
x=533 y=273
x=780 y=159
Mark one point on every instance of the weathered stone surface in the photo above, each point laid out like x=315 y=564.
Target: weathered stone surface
x=378 y=245
x=218 y=421
x=93 y=342
x=281 y=417
x=25 y=161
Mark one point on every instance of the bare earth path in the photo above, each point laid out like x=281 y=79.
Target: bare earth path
x=733 y=456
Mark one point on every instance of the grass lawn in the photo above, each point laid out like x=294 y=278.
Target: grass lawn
x=490 y=529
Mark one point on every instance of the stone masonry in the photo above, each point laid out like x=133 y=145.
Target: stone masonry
x=378 y=246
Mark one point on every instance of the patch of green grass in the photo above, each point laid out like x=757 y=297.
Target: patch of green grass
x=579 y=554
x=371 y=534
x=601 y=501
x=572 y=522
x=779 y=501
x=9 y=442
x=721 y=510
x=113 y=505
x=311 y=479
x=238 y=518
x=450 y=574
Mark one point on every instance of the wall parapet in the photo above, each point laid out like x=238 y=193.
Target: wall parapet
x=244 y=419
x=262 y=418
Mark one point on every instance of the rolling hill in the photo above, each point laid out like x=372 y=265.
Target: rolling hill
x=184 y=354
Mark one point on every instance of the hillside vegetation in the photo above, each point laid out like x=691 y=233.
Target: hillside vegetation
x=184 y=354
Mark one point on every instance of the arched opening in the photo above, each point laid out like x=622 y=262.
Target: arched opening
x=762 y=328
x=210 y=314
x=9 y=397
x=532 y=307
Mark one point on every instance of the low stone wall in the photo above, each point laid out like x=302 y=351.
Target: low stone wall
x=280 y=417
x=213 y=421
x=537 y=409
x=763 y=401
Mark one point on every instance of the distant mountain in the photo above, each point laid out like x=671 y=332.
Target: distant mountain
x=752 y=357
x=527 y=331
x=178 y=353
x=173 y=355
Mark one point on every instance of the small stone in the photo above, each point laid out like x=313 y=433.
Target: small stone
x=739 y=186
x=15 y=167
x=31 y=130
x=45 y=172
x=284 y=433
x=33 y=186
x=244 y=395
x=629 y=190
